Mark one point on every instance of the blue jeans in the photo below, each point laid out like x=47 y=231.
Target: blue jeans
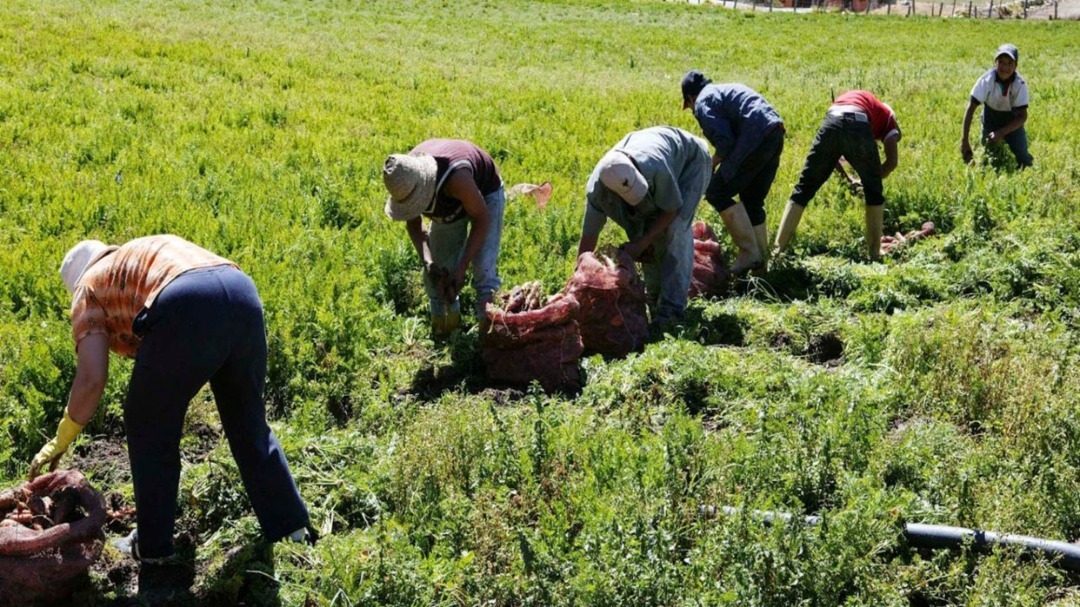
x=667 y=279
x=848 y=136
x=447 y=242
x=205 y=326
x=1016 y=140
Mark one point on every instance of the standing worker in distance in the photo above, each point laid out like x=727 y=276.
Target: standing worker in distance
x=456 y=186
x=1005 y=97
x=650 y=184
x=187 y=317
x=748 y=136
x=851 y=126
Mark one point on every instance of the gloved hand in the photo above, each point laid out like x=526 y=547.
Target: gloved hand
x=51 y=452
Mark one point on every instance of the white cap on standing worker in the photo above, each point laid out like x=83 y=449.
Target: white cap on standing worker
x=76 y=261
x=620 y=175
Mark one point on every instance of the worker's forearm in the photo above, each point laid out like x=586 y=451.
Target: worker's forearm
x=84 y=398
x=1012 y=126
x=587 y=244
x=657 y=228
x=478 y=233
x=419 y=238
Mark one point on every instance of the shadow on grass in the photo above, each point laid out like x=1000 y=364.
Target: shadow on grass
x=713 y=329
x=246 y=578
x=455 y=364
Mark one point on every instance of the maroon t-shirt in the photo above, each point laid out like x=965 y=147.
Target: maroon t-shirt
x=451 y=155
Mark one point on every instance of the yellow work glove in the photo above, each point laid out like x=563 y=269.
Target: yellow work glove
x=51 y=452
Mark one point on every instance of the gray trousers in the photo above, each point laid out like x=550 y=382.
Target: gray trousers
x=447 y=242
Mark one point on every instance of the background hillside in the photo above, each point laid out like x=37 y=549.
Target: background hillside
x=939 y=387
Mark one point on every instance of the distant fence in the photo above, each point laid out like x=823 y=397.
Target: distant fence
x=999 y=9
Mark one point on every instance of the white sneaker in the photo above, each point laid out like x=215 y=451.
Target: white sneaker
x=303 y=535
x=129 y=546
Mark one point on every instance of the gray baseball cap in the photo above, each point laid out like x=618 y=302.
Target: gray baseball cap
x=1008 y=49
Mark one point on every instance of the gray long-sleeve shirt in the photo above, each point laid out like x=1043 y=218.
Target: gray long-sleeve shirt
x=735 y=119
x=661 y=154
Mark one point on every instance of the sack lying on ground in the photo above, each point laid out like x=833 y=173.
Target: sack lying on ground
x=526 y=340
x=540 y=193
x=50 y=533
x=710 y=277
x=612 y=300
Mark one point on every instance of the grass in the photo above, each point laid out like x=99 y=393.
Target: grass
x=937 y=387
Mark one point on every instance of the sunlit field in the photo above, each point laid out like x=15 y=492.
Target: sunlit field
x=940 y=386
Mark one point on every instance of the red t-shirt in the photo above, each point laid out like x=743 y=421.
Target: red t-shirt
x=882 y=119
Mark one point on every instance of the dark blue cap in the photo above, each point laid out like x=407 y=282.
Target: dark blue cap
x=692 y=83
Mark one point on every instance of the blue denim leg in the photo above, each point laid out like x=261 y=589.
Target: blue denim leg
x=1018 y=143
x=676 y=266
x=485 y=267
x=447 y=242
x=1016 y=140
x=668 y=280
x=206 y=325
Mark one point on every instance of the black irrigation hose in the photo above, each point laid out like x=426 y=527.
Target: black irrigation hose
x=1062 y=554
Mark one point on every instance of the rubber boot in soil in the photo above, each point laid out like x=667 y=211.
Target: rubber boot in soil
x=788 y=223
x=738 y=225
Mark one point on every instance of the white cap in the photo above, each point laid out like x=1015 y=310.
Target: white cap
x=622 y=177
x=76 y=260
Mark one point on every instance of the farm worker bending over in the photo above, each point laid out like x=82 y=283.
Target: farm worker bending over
x=187 y=317
x=852 y=124
x=650 y=184
x=1005 y=95
x=455 y=185
x=748 y=136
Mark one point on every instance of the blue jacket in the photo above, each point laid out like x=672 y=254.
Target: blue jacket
x=735 y=119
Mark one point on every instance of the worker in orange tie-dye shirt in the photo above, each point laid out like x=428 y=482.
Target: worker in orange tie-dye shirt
x=187 y=317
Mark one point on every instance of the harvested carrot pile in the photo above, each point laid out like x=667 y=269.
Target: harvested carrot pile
x=890 y=244
x=529 y=339
x=50 y=533
x=612 y=299
x=710 y=277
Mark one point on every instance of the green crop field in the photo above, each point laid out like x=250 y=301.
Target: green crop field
x=941 y=386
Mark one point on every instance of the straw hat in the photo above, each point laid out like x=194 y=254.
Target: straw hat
x=411 y=183
x=76 y=261
x=622 y=177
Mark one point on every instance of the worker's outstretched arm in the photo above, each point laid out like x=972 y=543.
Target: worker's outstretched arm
x=91 y=373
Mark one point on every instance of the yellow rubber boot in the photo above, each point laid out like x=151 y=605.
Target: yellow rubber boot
x=443 y=326
x=761 y=235
x=438 y=326
x=874 y=219
x=453 y=322
x=737 y=222
x=788 y=223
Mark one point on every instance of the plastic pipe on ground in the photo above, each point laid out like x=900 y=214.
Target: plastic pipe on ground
x=919 y=535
